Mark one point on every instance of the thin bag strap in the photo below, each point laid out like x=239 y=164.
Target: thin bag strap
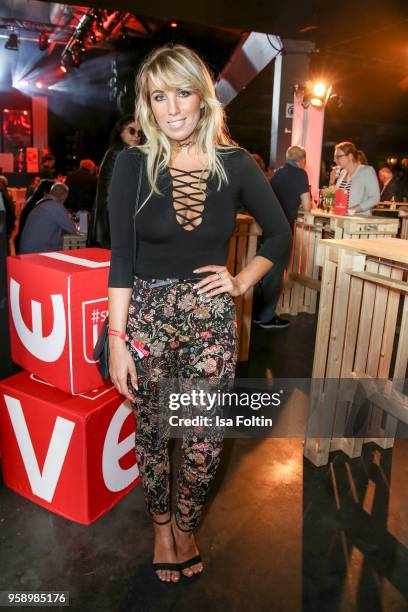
x=139 y=185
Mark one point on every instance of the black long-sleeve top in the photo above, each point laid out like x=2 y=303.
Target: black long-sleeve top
x=164 y=247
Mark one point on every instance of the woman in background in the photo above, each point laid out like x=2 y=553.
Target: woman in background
x=8 y=206
x=126 y=133
x=357 y=180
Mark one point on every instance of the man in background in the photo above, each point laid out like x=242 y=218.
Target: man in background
x=82 y=186
x=291 y=186
x=390 y=185
x=46 y=222
x=47 y=170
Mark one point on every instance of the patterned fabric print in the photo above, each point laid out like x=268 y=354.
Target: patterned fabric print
x=188 y=336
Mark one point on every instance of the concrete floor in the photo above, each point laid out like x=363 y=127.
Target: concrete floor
x=278 y=535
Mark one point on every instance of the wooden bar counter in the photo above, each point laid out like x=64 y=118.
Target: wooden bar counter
x=398 y=210
x=242 y=248
x=302 y=282
x=362 y=333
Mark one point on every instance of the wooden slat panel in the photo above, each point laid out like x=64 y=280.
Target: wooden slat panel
x=365 y=323
x=323 y=326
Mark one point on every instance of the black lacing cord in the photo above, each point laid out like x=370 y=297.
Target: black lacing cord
x=178 y=189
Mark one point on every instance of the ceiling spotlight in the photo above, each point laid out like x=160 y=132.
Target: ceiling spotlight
x=73 y=55
x=319 y=89
x=318 y=102
x=43 y=41
x=320 y=93
x=313 y=93
x=12 y=42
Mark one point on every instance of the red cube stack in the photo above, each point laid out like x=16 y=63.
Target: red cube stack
x=67 y=439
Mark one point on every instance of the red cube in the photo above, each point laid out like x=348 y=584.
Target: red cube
x=74 y=455
x=57 y=304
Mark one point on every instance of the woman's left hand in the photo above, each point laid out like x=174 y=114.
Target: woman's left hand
x=356 y=208
x=221 y=281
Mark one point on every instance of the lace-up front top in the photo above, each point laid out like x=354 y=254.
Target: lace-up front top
x=190 y=223
x=189 y=193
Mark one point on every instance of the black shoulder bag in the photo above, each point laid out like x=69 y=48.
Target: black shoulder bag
x=101 y=350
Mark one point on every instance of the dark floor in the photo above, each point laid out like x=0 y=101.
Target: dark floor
x=278 y=535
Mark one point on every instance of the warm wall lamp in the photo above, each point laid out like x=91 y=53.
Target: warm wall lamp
x=315 y=93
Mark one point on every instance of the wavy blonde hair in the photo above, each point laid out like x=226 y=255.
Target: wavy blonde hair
x=178 y=67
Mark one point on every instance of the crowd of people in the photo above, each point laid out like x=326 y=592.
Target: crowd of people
x=87 y=190
x=52 y=201
x=56 y=199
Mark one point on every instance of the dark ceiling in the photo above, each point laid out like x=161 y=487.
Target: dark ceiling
x=370 y=26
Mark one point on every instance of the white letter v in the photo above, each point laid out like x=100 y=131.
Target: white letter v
x=42 y=484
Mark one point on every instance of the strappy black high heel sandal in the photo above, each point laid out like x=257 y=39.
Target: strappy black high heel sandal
x=165 y=566
x=189 y=562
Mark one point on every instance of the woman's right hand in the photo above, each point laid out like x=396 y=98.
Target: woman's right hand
x=121 y=365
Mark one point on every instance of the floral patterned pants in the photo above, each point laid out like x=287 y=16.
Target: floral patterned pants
x=186 y=336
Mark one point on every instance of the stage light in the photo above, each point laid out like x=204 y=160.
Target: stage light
x=63 y=69
x=39 y=84
x=22 y=83
x=43 y=41
x=72 y=55
x=316 y=102
x=313 y=93
x=12 y=42
x=320 y=94
x=392 y=161
x=319 y=89
x=173 y=24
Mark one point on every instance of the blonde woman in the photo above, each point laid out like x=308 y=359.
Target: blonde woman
x=172 y=312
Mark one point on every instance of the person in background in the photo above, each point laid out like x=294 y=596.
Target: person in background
x=43 y=189
x=82 y=186
x=362 y=157
x=260 y=161
x=45 y=224
x=336 y=170
x=8 y=206
x=47 y=170
x=32 y=187
x=390 y=185
x=358 y=180
x=403 y=178
x=270 y=171
x=291 y=186
x=126 y=133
